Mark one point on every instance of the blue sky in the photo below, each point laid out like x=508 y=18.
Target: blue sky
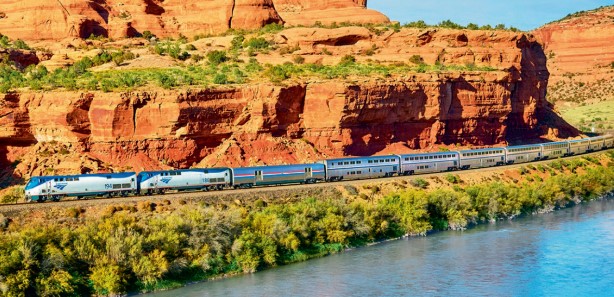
x=522 y=14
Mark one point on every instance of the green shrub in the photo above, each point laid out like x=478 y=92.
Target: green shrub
x=347 y=60
x=416 y=59
x=190 y=47
x=277 y=73
x=419 y=183
x=451 y=178
x=217 y=57
x=14 y=195
x=148 y=35
x=257 y=43
x=20 y=44
x=237 y=42
x=220 y=79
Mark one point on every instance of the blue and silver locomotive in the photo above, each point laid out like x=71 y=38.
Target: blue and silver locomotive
x=41 y=188
x=158 y=182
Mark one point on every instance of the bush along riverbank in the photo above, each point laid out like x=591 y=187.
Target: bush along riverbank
x=145 y=247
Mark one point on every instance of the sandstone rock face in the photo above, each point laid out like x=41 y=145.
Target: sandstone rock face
x=580 y=45
x=298 y=12
x=268 y=124
x=59 y=19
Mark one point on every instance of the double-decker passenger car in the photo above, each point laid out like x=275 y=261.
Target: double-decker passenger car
x=600 y=142
x=479 y=158
x=41 y=188
x=555 y=149
x=432 y=162
x=361 y=167
x=247 y=177
x=579 y=146
x=523 y=153
x=150 y=182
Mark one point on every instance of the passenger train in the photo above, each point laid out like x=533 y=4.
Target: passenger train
x=42 y=188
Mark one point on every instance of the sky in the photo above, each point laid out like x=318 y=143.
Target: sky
x=523 y=14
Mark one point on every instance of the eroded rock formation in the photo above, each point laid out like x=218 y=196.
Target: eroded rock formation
x=580 y=45
x=59 y=19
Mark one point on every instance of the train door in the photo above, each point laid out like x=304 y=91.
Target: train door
x=395 y=169
x=155 y=180
x=258 y=176
x=308 y=172
x=48 y=188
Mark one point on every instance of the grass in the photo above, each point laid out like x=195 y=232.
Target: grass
x=599 y=115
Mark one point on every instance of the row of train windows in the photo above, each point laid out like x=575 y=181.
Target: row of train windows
x=170 y=173
x=120 y=186
x=557 y=152
x=353 y=172
x=348 y=163
x=555 y=146
x=381 y=161
x=360 y=162
x=483 y=153
x=429 y=157
x=580 y=143
x=216 y=180
x=423 y=167
x=61 y=179
x=524 y=149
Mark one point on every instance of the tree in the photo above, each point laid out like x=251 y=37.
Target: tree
x=14 y=195
x=107 y=278
x=58 y=283
x=472 y=26
x=150 y=268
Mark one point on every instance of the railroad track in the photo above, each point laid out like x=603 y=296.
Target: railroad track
x=269 y=191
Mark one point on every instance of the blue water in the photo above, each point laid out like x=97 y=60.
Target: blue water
x=565 y=253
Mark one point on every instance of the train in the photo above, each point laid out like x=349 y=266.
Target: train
x=55 y=188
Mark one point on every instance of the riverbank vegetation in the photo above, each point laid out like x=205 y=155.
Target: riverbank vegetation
x=152 y=246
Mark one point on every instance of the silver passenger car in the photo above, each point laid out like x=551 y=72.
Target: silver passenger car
x=579 y=146
x=361 y=167
x=247 y=177
x=523 y=153
x=599 y=142
x=431 y=162
x=555 y=149
x=479 y=158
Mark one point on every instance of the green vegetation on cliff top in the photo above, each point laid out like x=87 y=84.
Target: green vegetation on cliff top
x=154 y=246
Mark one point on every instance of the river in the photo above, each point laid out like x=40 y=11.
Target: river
x=565 y=253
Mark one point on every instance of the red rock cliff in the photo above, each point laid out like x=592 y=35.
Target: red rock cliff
x=58 y=19
x=580 y=45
